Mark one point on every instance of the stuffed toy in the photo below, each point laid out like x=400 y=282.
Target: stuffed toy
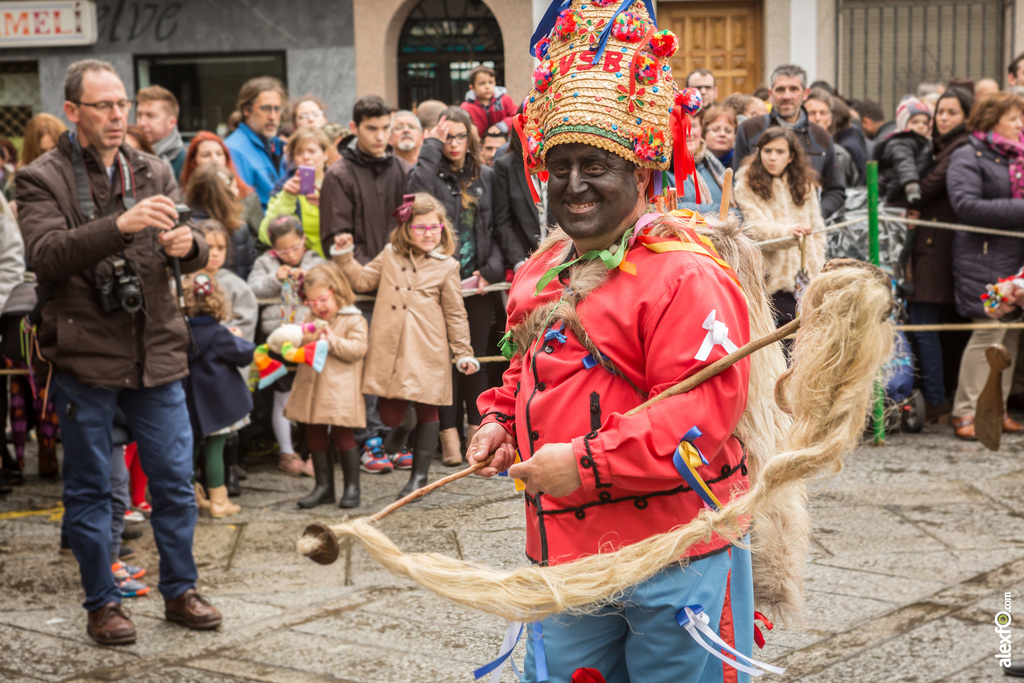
x=284 y=350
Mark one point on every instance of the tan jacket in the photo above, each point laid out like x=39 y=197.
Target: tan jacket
x=333 y=396
x=419 y=324
x=776 y=217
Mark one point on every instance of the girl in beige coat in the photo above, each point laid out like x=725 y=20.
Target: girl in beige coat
x=778 y=195
x=330 y=402
x=419 y=322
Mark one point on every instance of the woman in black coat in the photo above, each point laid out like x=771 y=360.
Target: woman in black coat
x=516 y=218
x=931 y=262
x=450 y=170
x=986 y=188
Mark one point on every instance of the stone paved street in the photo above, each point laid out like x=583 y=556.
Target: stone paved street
x=915 y=546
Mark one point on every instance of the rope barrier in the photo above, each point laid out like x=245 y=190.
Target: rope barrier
x=908 y=221
x=960 y=327
x=496 y=287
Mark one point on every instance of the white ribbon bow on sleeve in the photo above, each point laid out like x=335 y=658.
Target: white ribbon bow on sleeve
x=718 y=335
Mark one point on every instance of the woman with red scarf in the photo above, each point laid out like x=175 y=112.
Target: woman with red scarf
x=986 y=188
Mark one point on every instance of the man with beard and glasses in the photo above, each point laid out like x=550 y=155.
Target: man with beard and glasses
x=406 y=136
x=614 y=307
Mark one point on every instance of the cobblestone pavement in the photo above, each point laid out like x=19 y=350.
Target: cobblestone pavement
x=916 y=546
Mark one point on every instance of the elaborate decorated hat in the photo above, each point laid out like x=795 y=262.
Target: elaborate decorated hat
x=604 y=80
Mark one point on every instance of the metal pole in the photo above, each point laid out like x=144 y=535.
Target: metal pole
x=878 y=413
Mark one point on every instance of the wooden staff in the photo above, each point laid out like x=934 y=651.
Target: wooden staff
x=327 y=550
x=723 y=211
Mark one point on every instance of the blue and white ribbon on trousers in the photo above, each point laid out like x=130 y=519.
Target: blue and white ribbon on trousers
x=695 y=621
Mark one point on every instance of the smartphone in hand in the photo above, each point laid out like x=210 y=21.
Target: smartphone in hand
x=307 y=180
x=471 y=282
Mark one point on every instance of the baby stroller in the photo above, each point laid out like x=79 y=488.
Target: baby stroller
x=905 y=405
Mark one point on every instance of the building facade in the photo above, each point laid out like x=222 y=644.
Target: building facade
x=411 y=50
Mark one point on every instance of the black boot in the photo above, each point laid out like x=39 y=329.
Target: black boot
x=426 y=442
x=323 y=471
x=230 y=459
x=397 y=438
x=350 y=471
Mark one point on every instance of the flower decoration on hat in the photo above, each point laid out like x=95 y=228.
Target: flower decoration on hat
x=664 y=43
x=540 y=50
x=650 y=145
x=647 y=69
x=628 y=27
x=690 y=100
x=568 y=23
x=542 y=76
x=604 y=80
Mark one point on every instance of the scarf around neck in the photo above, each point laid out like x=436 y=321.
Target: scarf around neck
x=1014 y=151
x=170 y=146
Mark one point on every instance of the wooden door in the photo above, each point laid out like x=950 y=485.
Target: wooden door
x=723 y=37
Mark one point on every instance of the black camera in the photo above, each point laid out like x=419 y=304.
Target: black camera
x=122 y=290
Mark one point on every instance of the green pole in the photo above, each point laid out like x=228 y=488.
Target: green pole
x=878 y=412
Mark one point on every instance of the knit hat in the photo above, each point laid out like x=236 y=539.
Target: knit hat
x=604 y=80
x=908 y=107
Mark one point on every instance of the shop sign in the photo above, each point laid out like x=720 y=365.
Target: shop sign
x=47 y=24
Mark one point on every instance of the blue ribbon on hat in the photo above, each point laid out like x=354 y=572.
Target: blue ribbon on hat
x=607 y=32
x=547 y=23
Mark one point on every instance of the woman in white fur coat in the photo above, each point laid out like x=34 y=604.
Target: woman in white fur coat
x=777 y=191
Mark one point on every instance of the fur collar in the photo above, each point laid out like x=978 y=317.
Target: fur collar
x=349 y=310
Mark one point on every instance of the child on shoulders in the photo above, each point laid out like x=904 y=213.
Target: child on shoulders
x=905 y=156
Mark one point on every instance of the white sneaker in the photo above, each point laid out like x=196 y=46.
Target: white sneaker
x=134 y=516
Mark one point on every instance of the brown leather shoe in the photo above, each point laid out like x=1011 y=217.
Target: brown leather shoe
x=1011 y=426
x=963 y=427
x=193 y=610
x=109 y=625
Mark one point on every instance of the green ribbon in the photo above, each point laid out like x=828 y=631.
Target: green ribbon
x=508 y=345
x=609 y=259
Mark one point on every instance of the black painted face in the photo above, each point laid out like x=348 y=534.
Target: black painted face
x=591 y=192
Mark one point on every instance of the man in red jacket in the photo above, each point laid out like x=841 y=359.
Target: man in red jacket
x=487 y=103
x=611 y=310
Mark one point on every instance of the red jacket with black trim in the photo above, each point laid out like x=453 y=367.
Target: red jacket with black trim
x=651 y=326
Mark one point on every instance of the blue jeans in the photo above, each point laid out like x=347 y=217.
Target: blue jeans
x=158 y=420
x=929 y=351
x=120 y=501
x=638 y=639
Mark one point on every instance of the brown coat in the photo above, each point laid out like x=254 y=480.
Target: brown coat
x=419 y=324
x=333 y=396
x=116 y=349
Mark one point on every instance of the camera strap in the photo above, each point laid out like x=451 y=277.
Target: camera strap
x=86 y=203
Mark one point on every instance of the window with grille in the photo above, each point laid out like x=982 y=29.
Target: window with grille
x=887 y=48
x=20 y=97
